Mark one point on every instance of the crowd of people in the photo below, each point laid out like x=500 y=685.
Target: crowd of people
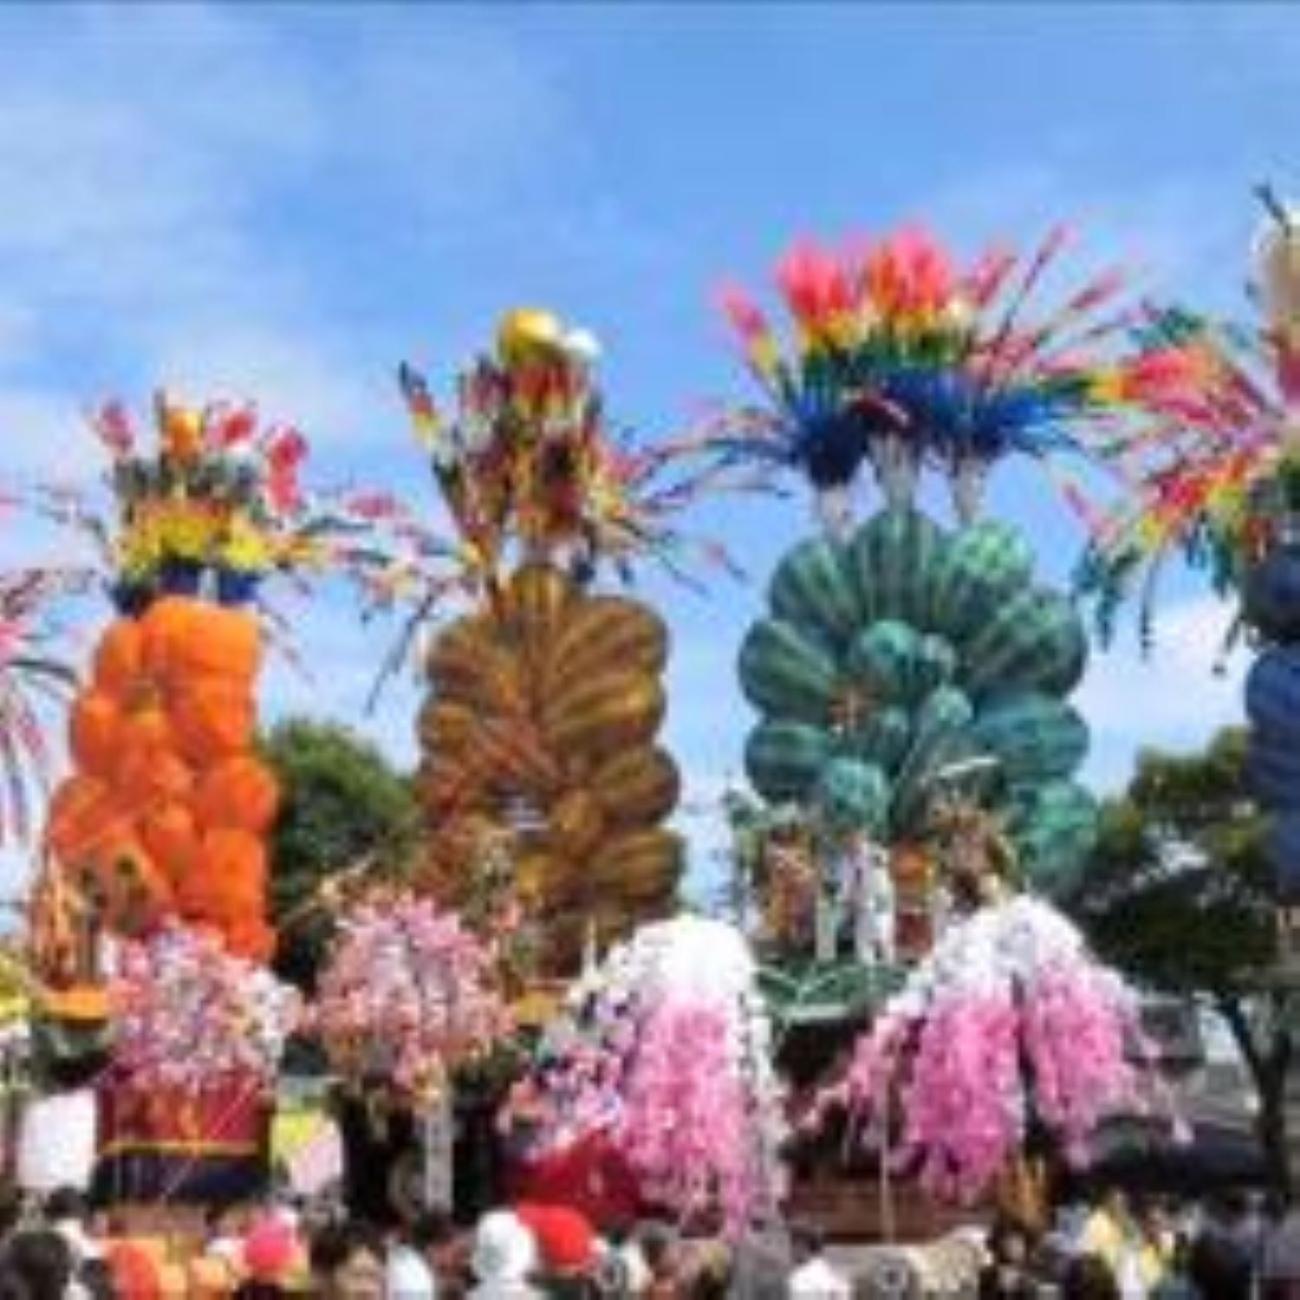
x=1115 y=1248
x=1110 y=1249
x=62 y=1249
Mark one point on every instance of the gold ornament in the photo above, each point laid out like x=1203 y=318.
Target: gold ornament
x=529 y=334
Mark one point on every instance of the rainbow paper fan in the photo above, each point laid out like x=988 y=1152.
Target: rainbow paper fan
x=1214 y=475
x=900 y=356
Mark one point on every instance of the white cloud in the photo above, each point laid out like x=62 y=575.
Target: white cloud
x=163 y=177
x=44 y=437
x=1165 y=233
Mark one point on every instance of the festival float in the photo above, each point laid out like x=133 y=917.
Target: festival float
x=547 y=790
x=148 y=922
x=1217 y=482
x=916 y=756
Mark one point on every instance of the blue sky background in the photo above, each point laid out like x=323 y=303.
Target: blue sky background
x=283 y=202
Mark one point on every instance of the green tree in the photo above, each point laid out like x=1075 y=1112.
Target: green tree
x=344 y=808
x=1179 y=895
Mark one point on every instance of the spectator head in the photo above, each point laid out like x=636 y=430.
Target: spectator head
x=66 y=1205
x=222 y=1220
x=807 y=1242
x=613 y=1276
x=566 y=1244
x=258 y=1289
x=1153 y=1218
x=347 y=1262
x=328 y=1250
x=1218 y=1268
x=96 y=1279
x=435 y=1235
x=430 y=1231
x=712 y=1275
x=42 y=1261
x=658 y=1247
x=133 y=1271
x=270 y=1250
x=1008 y=1241
x=1089 y=1278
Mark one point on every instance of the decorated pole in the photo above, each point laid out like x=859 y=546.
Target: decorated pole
x=912 y=678
x=155 y=855
x=1217 y=484
x=546 y=699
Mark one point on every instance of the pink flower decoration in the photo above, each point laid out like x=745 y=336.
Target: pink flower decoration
x=408 y=993
x=1010 y=1019
x=190 y=1017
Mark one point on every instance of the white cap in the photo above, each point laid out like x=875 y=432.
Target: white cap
x=504 y=1249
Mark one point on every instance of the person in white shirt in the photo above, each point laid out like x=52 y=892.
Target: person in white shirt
x=813 y=1278
x=56 y=1141
x=867 y=895
x=505 y=1255
x=412 y=1274
x=407 y=1276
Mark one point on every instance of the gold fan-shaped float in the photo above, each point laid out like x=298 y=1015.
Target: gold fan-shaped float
x=541 y=721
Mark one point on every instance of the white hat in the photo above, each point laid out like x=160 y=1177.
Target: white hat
x=504 y=1249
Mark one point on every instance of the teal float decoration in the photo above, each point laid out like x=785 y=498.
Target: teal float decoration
x=912 y=681
x=909 y=663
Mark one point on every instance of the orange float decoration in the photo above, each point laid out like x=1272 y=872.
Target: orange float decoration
x=178 y=771
x=168 y=806
x=162 y=736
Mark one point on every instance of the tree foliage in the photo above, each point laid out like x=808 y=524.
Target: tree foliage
x=1179 y=894
x=1178 y=891
x=344 y=809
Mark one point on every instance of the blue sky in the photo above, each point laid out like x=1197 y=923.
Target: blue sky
x=283 y=202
